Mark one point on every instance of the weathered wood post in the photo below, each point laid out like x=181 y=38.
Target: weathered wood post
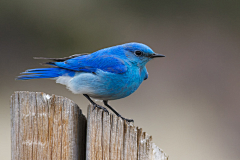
x=48 y=127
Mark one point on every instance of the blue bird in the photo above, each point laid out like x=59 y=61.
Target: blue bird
x=107 y=74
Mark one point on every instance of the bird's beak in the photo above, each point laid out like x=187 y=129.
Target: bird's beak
x=155 y=55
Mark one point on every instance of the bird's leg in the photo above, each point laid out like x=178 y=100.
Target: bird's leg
x=95 y=105
x=106 y=104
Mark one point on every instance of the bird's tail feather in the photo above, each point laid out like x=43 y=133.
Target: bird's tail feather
x=45 y=73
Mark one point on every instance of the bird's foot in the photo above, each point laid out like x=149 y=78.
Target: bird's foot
x=100 y=107
x=106 y=104
x=128 y=120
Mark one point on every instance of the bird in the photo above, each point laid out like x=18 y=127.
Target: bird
x=108 y=74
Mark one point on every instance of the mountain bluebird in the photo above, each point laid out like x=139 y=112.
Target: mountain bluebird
x=108 y=74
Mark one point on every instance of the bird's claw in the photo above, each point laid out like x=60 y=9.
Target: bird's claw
x=100 y=107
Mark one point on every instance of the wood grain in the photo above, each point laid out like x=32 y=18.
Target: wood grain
x=111 y=138
x=46 y=127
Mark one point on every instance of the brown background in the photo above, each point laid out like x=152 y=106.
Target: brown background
x=191 y=102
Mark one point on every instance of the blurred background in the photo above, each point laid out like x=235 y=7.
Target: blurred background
x=190 y=103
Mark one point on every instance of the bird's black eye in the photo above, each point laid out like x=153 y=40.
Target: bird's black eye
x=138 y=53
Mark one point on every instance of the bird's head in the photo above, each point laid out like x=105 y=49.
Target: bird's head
x=139 y=54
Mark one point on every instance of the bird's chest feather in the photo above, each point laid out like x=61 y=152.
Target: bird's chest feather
x=116 y=86
x=106 y=85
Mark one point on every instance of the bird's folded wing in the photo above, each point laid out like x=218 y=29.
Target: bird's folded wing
x=90 y=63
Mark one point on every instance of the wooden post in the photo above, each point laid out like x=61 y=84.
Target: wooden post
x=48 y=127
x=111 y=138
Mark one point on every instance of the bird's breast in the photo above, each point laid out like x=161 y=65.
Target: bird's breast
x=116 y=86
x=105 y=85
x=122 y=85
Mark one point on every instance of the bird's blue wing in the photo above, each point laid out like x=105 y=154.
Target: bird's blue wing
x=90 y=63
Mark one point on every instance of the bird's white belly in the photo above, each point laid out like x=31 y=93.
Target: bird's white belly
x=102 y=85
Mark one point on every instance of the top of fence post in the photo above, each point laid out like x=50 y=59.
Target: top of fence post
x=53 y=127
